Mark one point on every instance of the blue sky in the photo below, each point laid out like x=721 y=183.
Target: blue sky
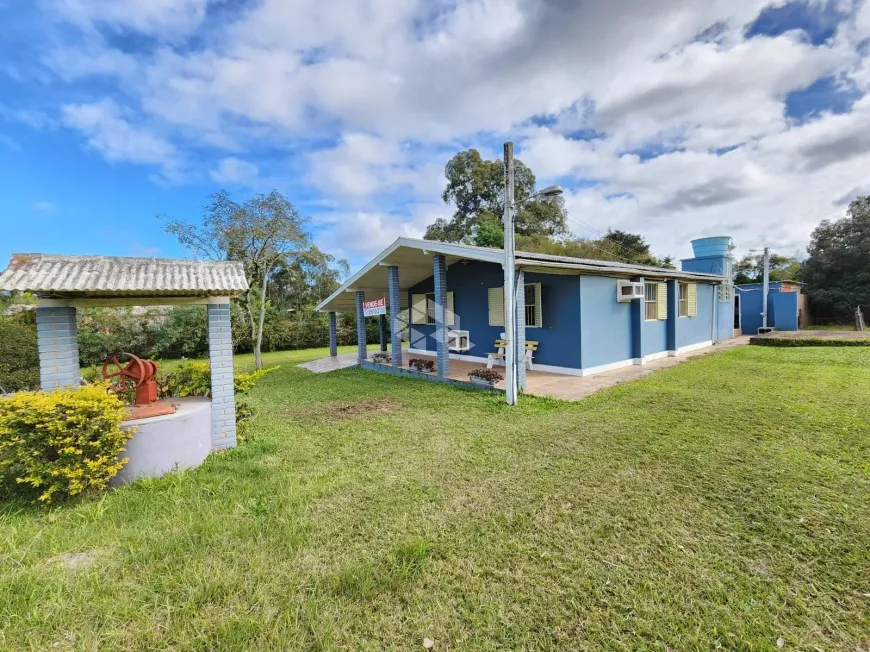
x=677 y=120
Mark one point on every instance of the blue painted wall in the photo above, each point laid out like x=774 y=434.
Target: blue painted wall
x=706 y=265
x=655 y=336
x=605 y=324
x=558 y=338
x=782 y=308
x=750 y=310
x=697 y=329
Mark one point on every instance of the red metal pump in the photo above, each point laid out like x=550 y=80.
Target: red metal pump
x=132 y=372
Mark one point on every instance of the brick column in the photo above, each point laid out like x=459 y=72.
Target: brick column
x=382 y=332
x=58 y=340
x=637 y=327
x=333 y=335
x=395 y=316
x=360 y=326
x=673 y=315
x=439 y=271
x=223 y=395
x=520 y=325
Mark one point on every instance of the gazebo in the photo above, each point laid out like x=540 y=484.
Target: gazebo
x=65 y=283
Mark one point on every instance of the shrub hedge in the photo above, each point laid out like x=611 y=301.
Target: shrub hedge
x=19 y=360
x=808 y=341
x=60 y=444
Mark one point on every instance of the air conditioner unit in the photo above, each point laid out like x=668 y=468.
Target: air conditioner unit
x=458 y=341
x=628 y=291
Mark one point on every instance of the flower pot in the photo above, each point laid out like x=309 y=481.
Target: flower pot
x=482 y=384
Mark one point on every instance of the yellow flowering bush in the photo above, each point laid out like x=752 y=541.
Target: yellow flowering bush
x=62 y=443
x=190 y=378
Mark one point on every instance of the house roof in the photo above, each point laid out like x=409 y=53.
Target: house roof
x=413 y=257
x=51 y=275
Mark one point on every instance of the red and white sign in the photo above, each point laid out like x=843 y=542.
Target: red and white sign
x=376 y=307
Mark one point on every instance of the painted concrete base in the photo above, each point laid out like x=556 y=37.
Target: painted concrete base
x=163 y=444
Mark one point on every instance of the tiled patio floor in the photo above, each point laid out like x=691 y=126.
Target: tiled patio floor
x=539 y=383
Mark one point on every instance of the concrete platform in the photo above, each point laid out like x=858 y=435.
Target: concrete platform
x=539 y=383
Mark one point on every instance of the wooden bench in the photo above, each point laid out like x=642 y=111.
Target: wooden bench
x=500 y=345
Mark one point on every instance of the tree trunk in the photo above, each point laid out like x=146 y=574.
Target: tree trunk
x=258 y=357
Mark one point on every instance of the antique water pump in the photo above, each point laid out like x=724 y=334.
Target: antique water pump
x=132 y=372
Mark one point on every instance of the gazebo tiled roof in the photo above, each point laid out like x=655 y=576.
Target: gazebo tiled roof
x=113 y=276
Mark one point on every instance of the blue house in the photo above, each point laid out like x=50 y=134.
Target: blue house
x=787 y=307
x=587 y=316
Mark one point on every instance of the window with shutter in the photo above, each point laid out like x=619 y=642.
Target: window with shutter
x=451 y=315
x=533 y=305
x=496 y=306
x=684 y=300
x=693 y=299
x=650 y=301
x=419 y=309
x=662 y=300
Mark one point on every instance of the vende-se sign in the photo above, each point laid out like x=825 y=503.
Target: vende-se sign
x=376 y=307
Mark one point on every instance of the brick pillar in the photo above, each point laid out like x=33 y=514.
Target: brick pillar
x=439 y=271
x=360 y=326
x=58 y=340
x=223 y=395
x=395 y=316
x=637 y=327
x=673 y=315
x=382 y=332
x=333 y=335
x=520 y=325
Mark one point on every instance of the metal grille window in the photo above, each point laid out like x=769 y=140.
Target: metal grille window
x=430 y=308
x=531 y=308
x=650 y=301
x=684 y=300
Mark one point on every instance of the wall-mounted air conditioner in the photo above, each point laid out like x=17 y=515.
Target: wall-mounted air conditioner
x=458 y=341
x=628 y=291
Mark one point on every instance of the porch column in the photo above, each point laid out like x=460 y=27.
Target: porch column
x=223 y=393
x=439 y=272
x=673 y=315
x=383 y=332
x=395 y=319
x=58 y=342
x=360 y=327
x=333 y=335
x=637 y=312
x=520 y=326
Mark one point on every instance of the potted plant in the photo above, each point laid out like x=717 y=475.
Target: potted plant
x=485 y=377
x=382 y=358
x=422 y=365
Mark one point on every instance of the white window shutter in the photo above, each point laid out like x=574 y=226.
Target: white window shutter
x=662 y=301
x=419 y=309
x=496 y=306
x=538 y=310
x=693 y=299
x=451 y=317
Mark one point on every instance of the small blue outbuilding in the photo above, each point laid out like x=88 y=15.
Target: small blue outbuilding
x=786 y=306
x=588 y=316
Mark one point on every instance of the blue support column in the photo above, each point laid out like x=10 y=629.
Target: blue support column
x=223 y=393
x=57 y=339
x=637 y=311
x=520 y=325
x=360 y=326
x=673 y=315
x=439 y=272
x=383 y=332
x=395 y=316
x=333 y=335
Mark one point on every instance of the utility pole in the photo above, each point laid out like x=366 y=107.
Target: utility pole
x=766 y=287
x=509 y=264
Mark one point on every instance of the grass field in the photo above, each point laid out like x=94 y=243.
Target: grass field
x=722 y=503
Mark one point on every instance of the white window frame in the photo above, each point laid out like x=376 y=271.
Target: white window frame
x=535 y=309
x=683 y=299
x=650 y=306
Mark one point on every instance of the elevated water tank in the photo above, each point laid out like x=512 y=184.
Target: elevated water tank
x=718 y=246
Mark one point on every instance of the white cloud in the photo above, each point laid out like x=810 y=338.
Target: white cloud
x=44 y=206
x=235 y=171
x=375 y=97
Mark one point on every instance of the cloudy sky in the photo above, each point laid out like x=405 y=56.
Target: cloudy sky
x=676 y=118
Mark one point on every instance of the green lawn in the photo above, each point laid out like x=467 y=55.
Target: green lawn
x=722 y=503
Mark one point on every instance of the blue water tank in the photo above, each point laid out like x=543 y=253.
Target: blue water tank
x=718 y=246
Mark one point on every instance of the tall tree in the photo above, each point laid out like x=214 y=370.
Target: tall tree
x=305 y=280
x=837 y=272
x=750 y=268
x=262 y=232
x=476 y=188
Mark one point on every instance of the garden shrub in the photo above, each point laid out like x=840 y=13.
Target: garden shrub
x=190 y=378
x=60 y=444
x=808 y=341
x=19 y=359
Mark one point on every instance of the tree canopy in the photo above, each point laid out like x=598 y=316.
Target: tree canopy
x=476 y=188
x=837 y=272
x=750 y=268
